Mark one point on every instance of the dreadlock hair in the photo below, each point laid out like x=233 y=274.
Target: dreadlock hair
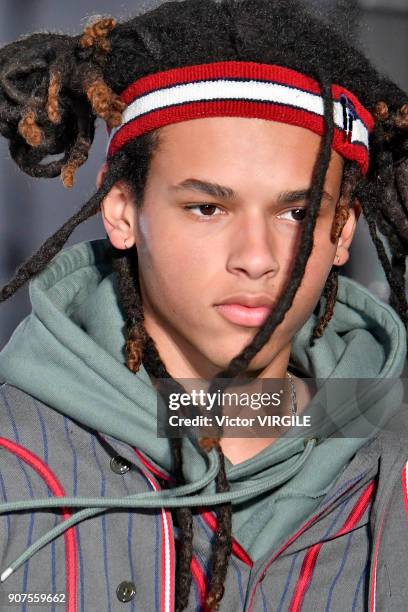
x=53 y=87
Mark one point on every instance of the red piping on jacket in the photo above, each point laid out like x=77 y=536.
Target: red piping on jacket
x=309 y=562
x=151 y=467
x=196 y=569
x=289 y=542
x=373 y=583
x=404 y=477
x=167 y=552
x=212 y=521
x=199 y=578
x=56 y=488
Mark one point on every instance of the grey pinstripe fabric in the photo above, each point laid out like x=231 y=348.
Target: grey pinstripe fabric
x=122 y=545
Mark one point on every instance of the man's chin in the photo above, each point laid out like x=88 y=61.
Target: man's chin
x=255 y=368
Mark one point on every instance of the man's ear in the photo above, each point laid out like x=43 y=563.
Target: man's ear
x=118 y=212
x=347 y=234
x=101 y=175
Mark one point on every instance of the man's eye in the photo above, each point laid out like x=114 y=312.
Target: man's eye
x=207 y=210
x=295 y=214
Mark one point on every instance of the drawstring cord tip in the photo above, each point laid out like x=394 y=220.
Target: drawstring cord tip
x=6 y=574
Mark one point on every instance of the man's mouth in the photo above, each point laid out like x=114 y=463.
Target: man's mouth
x=244 y=315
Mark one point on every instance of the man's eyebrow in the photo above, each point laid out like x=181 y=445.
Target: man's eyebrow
x=227 y=193
x=211 y=189
x=288 y=197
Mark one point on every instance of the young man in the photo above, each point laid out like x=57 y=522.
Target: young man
x=233 y=184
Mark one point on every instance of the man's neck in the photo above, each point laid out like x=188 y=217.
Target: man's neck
x=238 y=450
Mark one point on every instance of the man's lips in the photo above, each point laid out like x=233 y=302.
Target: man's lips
x=244 y=315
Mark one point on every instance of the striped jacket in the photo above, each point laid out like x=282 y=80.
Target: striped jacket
x=350 y=555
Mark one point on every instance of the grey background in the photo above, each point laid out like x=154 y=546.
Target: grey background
x=32 y=209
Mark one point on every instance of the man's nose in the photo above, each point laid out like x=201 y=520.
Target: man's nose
x=253 y=250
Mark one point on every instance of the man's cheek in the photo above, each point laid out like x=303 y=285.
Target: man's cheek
x=191 y=266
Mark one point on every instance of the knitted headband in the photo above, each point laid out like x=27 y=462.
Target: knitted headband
x=242 y=89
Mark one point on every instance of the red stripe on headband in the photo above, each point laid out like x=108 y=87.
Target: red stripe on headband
x=220 y=70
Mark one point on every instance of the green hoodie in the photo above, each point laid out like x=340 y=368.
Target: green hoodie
x=69 y=353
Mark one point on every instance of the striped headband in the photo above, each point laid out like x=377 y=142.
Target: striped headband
x=242 y=89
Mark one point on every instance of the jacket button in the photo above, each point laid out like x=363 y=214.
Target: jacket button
x=120 y=465
x=126 y=591
x=262 y=576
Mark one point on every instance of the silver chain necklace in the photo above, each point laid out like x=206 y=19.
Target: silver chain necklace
x=293 y=408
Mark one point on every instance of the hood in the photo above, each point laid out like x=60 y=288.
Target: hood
x=69 y=353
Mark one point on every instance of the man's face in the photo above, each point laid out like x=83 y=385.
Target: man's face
x=221 y=216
